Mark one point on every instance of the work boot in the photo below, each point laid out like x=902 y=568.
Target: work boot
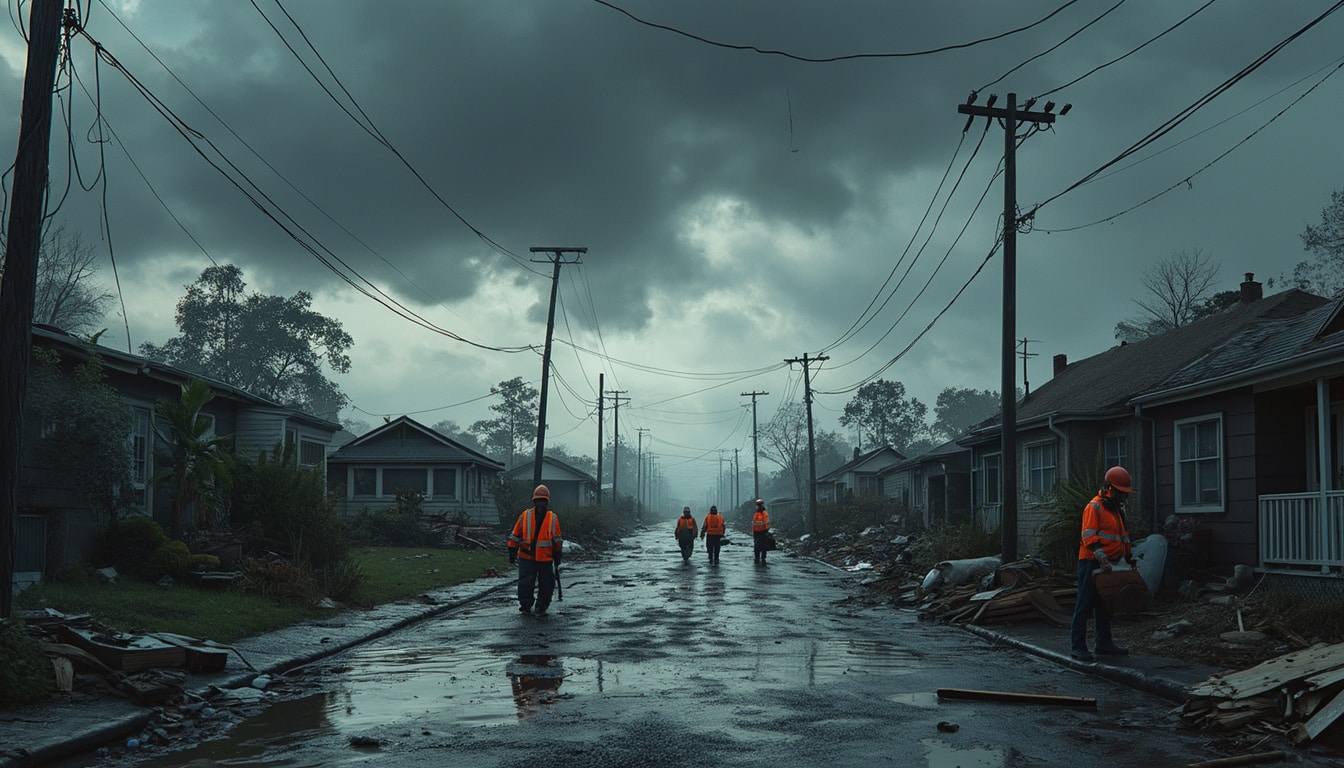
x=524 y=609
x=1082 y=655
x=1112 y=650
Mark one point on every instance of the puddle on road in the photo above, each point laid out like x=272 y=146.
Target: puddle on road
x=922 y=699
x=374 y=687
x=942 y=755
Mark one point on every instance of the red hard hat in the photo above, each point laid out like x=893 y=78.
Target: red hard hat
x=542 y=492
x=1118 y=478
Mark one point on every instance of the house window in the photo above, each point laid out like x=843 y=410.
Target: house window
x=1199 y=464
x=291 y=437
x=140 y=447
x=311 y=453
x=992 y=491
x=366 y=481
x=404 y=480
x=1041 y=468
x=869 y=486
x=445 y=483
x=1115 y=448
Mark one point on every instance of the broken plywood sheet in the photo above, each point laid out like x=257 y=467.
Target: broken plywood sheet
x=1272 y=674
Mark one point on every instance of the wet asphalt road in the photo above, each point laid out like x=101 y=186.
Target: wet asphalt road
x=649 y=661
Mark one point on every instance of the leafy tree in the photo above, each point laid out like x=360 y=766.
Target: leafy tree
x=959 y=408
x=884 y=415
x=67 y=296
x=514 y=430
x=1325 y=275
x=271 y=346
x=194 y=461
x=1217 y=303
x=83 y=424
x=1177 y=287
x=452 y=430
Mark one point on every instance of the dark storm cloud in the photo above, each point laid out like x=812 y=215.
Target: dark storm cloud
x=701 y=176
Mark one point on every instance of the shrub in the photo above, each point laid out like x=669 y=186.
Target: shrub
x=857 y=513
x=287 y=505
x=341 y=581
x=203 y=563
x=128 y=544
x=278 y=580
x=171 y=559
x=26 y=676
x=388 y=526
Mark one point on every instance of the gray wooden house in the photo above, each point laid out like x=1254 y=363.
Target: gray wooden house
x=1230 y=425
x=405 y=454
x=860 y=476
x=570 y=487
x=55 y=524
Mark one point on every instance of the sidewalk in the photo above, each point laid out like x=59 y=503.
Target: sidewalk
x=32 y=736
x=35 y=735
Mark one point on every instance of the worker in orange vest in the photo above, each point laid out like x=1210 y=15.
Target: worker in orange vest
x=760 y=532
x=685 y=533
x=1104 y=541
x=535 y=545
x=712 y=533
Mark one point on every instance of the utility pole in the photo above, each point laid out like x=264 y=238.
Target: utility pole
x=639 y=470
x=737 y=479
x=811 y=443
x=601 y=377
x=755 y=451
x=1010 y=116
x=1026 y=385
x=616 y=442
x=557 y=258
x=23 y=240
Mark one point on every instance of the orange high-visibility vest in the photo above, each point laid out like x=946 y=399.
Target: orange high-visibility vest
x=713 y=524
x=685 y=522
x=760 y=521
x=1104 y=528
x=548 y=536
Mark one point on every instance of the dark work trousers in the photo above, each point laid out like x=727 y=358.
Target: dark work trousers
x=712 y=544
x=1089 y=606
x=759 y=543
x=539 y=576
x=686 y=538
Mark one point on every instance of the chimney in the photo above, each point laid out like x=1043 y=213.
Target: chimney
x=1251 y=290
x=1061 y=362
x=856 y=452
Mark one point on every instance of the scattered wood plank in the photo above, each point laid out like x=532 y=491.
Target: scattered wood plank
x=1016 y=698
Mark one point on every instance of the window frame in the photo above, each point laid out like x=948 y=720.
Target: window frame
x=1033 y=471
x=991 y=472
x=1118 y=457
x=1219 y=461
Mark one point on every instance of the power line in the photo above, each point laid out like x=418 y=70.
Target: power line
x=830 y=59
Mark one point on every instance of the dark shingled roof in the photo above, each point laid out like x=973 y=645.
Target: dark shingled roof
x=406 y=441
x=1104 y=384
x=1269 y=342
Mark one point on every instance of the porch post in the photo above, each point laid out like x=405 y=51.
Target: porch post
x=1327 y=463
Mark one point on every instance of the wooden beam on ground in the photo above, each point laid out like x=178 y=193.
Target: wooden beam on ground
x=1259 y=757
x=1016 y=698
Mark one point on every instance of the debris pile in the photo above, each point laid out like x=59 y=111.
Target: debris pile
x=1025 y=590
x=1298 y=695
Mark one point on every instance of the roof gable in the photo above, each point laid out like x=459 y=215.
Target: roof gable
x=872 y=462
x=406 y=440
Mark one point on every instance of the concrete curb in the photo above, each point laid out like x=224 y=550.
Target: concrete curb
x=1163 y=688
x=116 y=729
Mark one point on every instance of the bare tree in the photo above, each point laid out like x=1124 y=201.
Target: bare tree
x=68 y=295
x=1178 y=288
x=784 y=441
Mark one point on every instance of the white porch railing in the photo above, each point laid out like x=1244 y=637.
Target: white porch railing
x=1296 y=533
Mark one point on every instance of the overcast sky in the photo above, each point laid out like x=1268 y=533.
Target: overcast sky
x=740 y=207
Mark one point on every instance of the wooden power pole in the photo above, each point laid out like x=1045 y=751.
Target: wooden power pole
x=17 y=288
x=755 y=449
x=557 y=258
x=811 y=443
x=1009 y=116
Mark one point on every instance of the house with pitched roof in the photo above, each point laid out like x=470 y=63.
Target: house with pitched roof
x=405 y=455
x=1228 y=424
x=934 y=487
x=55 y=522
x=860 y=476
x=570 y=487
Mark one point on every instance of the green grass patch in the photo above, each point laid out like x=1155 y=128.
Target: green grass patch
x=393 y=573
x=390 y=573
x=131 y=606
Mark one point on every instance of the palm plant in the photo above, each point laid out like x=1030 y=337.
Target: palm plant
x=195 y=462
